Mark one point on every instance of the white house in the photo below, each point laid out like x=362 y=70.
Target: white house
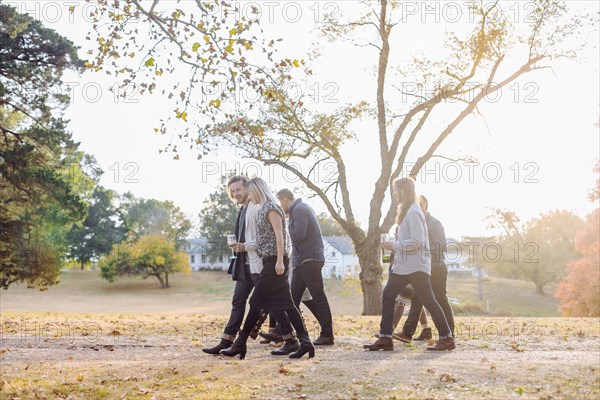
x=202 y=255
x=340 y=258
x=457 y=259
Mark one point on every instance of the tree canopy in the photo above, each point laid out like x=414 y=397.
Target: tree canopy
x=43 y=186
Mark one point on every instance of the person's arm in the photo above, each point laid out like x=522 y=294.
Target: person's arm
x=275 y=220
x=437 y=241
x=299 y=229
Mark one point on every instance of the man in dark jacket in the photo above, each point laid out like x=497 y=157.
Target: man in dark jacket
x=239 y=268
x=307 y=260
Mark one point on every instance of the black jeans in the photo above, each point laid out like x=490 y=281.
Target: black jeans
x=283 y=317
x=238 y=303
x=422 y=286
x=439 y=278
x=308 y=275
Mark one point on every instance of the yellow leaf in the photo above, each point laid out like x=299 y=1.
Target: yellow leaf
x=184 y=116
x=131 y=55
x=296 y=63
x=150 y=62
x=195 y=47
x=71 y=9
x=248 y=45
x=232 y=32
x=159 y=72
x=207 y=38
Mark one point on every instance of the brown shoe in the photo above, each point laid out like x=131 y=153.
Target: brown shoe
x=443 y=344
x=385 y=344
x=401 y=336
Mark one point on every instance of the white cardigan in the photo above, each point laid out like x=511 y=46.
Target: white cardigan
x=256 y=265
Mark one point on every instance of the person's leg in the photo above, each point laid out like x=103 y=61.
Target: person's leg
x=239 y=346
x=310 y=304
x=422 y=284
x=394 y=286
x=410 y=325
x=313 y=278
x=398 y=313
x=439 y=278
x=306 y=346
x=238 y=308
x=297 y=286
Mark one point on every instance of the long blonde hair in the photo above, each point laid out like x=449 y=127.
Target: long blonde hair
x=260 y=190
x=406 y=186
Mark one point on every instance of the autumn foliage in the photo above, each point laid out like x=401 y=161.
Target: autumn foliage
x=579 y=291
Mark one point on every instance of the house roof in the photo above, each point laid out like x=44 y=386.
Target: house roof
x=343 y=244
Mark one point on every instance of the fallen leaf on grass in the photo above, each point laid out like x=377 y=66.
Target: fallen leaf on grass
x=447 y=378
x=79 y=378
x=515 y=347
x=6 y=349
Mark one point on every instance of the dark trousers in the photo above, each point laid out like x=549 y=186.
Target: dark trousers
x=308 y=275
x=242 y=290
x=439 y=278
x=310 y=304
x=422 y=285
x=285 y=318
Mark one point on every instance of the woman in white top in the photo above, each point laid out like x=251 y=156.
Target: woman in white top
x=412 y=264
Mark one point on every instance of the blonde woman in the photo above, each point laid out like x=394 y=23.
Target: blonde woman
x=272 y=290
x=412 y=264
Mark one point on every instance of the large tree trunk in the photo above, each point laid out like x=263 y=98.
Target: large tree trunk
x=167 y=279
x=370 y=276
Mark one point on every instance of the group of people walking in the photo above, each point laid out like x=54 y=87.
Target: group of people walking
x=276 y=284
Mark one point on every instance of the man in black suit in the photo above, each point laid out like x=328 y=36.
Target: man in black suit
x=239 y=268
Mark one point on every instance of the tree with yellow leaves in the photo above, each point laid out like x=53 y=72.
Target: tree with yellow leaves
x=152 y=255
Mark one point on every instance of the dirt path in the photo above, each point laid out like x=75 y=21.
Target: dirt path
x=153 y=356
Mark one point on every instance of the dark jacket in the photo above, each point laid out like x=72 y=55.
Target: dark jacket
x=236 y=265
x=437 y=240
x=305 y=234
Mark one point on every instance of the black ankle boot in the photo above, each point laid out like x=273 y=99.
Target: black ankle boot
x=224 y=344
x=306 y=346
x=289 y=346
x=238 y=347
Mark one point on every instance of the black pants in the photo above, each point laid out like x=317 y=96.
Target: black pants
x=242 y=290
x=310 y=304
x=283 y=317
x=439 y=278
x=422 y=286
x=308 y=275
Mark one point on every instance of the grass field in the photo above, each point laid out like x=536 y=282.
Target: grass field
x=210 y=292
x=88 y=339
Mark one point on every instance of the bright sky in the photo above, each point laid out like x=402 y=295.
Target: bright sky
x=541 y=134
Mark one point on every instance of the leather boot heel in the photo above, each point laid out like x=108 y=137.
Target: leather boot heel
x=306 y=346
x=238 y=347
